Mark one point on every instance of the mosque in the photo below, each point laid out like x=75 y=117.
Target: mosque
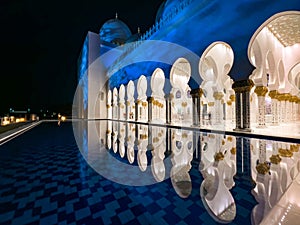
x=231 y=69
x=234 y=65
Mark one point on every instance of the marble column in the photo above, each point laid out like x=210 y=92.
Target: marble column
x=196 y=96
x=168 y=108
x=274 y=104
x=242 y=104
x=232 y=99
x=294 y=108
x=261 y=92
x=218 y=96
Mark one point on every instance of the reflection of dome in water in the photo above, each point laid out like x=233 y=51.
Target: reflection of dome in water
x=115 y=31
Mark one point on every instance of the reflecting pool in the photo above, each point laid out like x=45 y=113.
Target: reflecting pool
x=132 y=173
x=227 y=178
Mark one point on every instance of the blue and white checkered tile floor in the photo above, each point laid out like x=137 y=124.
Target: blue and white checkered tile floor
x=45 y=180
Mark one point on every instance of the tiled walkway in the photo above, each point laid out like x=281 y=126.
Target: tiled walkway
x=45 y=180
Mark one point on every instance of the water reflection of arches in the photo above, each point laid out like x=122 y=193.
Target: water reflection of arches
x=130 y=142
x=158 y=143
x=142 y=143
x=218 y=168
x=182 y=155
x=274 y=165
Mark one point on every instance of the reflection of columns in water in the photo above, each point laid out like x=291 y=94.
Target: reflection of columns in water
x=218 y=107
x=243 y=158
x=262 y=151
x=274 y=104
x=261 y=92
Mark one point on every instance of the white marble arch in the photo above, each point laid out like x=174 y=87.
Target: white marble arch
x=182 y=155
x=130 y=101
x=115 y=107
x=122 y=106
x=158 y=97
x=142 y=104
x=109 y=104
x=273 y=49
x=294 y=79
x=214 y=66
x=181 y=101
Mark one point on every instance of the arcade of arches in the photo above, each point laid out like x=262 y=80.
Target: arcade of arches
x=270 y=97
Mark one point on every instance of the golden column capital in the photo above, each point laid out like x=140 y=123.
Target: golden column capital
x=275 y=159
x=263 y=168
x=261 y=90
x=232 y=98
x=273 y=94
x=218 y=95
x=219 y=156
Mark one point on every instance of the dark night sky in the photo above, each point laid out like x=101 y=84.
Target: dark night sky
x=41 y=40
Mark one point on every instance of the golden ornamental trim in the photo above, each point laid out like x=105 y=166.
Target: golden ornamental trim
x=232 y=98
x=218 y=95
x=229 y=103
x=273 y=94
x=211 y=104
x=219 y=156
x=184 y=104
x=233 y=151
x=263 y=168
x=275 y=159
x=294 y=148
x=285 y=152
x=261 y=91
x=229 y=139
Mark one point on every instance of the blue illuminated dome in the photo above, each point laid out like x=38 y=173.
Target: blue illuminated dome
x=115 y=31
